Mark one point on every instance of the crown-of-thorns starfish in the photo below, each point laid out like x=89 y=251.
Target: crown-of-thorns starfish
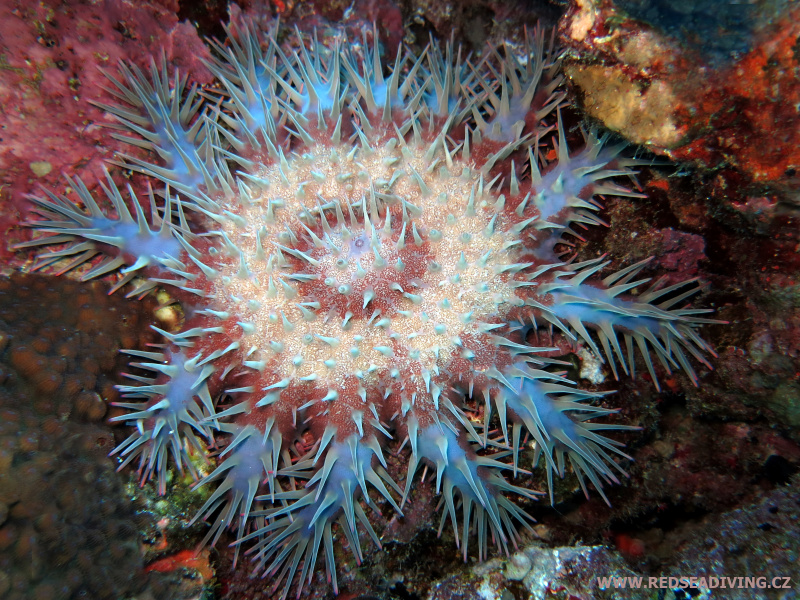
x=361 y=254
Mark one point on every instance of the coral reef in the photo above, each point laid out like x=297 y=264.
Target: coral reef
x=61 y=340
x=50 y=60
x=757 y=541
x=55 y=526
x=67 y=527
x=365 y=258
x=630 y=64
x=538 y=571
x=702 y=450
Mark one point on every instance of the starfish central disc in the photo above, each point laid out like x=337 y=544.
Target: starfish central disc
x=357 y=281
